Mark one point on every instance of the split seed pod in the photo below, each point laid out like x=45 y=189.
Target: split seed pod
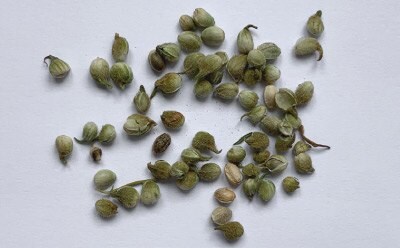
x=160 y=169
x=204 y=141
x=167 y=84
x=188 y=182
x=284 y=143
x=57 y=68
x=120 y=48
x=245 y=40
x=100 y=72
x=307 y=46
x=121 y=74
x=190 y=65
x=303 y=163
x=192 y=156
x=64 y=147
x=142 y=100
x=276 y=164
x=285 y=99
x=301 y=147
x=138 y=124
x=208 y=65
x=256 y=114
x=156 y=61
x=236 y=67
x=172 y=119
x=233 y=174
x=107 y=134
x=179 y=169
x=315 y=26
x=170 y=52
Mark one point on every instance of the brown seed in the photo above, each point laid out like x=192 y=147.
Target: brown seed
x=95 y=153
x=233 y=174
x=224 y=195
x=161 y=143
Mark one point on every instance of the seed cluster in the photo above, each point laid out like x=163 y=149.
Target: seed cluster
x=250 y=66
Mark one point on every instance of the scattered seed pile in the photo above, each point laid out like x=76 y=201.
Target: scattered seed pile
x=250 y=66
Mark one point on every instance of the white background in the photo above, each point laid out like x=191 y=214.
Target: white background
x=352 y=200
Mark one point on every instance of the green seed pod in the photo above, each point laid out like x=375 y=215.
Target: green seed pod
x=224 y=56
x=100 y=72
x=172 y=119
x=248 y=99
x=186 y=22
x=95 y=153
x=284 y=143
x=269 y=96
x=106 y=208
x=213 y=36
x=290 y=184
x=256 y=114
x=251 y=170
x=209 y=172
x=190 y=65
x=189 y=41
x=266 y=190
x=270 y=50
x=245 y=40
x=150 y=193
x=226 y=91
x=252 y=76
x=294 y=121
x=64 y=147
x=307 y=46
x=142 y=100
x=188 y=182
x=121 y=74
x=303 y=163
x=57 y=68
x=271 y=74
x=236 y=154
x=276 y=164
x=256 y=58
x=169 y=52
x=160 y=169
x=250 y=187
x=231 y=230
x=103 y=179
x=107 y=134
x=270 y=124
x=261 y=157
x=285 y=99
x=192 y=156
x=301 y=147
x=256 y=140
x=208 y=64
x=127 y=196
x=161 y=143
x=202 y=18
x=179 y=169
x=202 y=88
x=285 y=128
x=120 y=48
x=204 y=141
x=216 y=77
x=315 y=26
x=304 y=92
x=236 y=67
x=89 y=133
x=156 y=61
x=221 y=215
x=138 y=124
x=167 y=84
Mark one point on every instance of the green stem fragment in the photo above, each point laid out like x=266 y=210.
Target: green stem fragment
x=312 y=143
x=243 y=138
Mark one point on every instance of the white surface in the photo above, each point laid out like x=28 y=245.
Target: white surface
x=351 y=201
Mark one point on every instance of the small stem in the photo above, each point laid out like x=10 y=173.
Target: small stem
x=153 y=93
x=251 y=26
x=51 y=57
x=312 y=143
x=135 y=183
x=243 y=138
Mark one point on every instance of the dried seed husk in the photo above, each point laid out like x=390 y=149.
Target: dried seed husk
x=285 y=128
x=233 y=174
x=315 y=26
x=89 y=133
x=202 y=88
x=236 y=67
x=270 y=124
x=192 y=156
x=303 y=163
x=224 y=195
x=285 y=99
x=188 y=182
x=179 y=169
x=256 y=114
x=290 y=184
x=250 y=187
x=271 y=74
x=231 y=230
x=189 y=41
x=224 y=56
x=156 y=61
x=209 y=172
x=269 y=96
x=270 y=50
x=142 y=100
x=245 y=40
x=127 y=196
x=167 y=84
x=256 y=140
x=121 y=74
x=161 y=143
x=160 y=169
x=170 y=52
x=226 y=91
x=202 y=18
x=216 y=77
x=275 y=165
x=221 y=215
x=236 y=155
x=186 y=22
x=100 y=72
x=150 y=193
x=300 y=147
x=190 y=65
x=304 y=92
x=172 y=119
x=107 y=134
x=58 y=68
x=208 y=64
x=251 y=170
x=248 y=99
x=266 y=190
x=120 y=48
x=261 y=157
x=307 y=46
x=252 y=76
x=138 y=124
x=103 y=179
x=284 y=143
x=95 y=153
x=204 y=141
x=256 y=58
x=106 y=208
x=213 y=36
